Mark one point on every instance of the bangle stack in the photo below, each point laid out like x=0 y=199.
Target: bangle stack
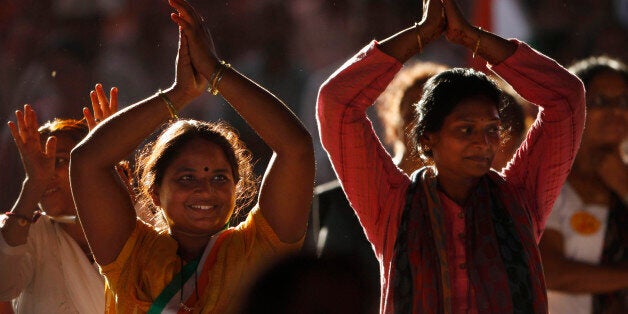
x=216 y=76
x=23 y=220
x=169 y=105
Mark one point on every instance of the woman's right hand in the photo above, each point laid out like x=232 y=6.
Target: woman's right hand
x=202 y=51
x=433 y=21
x=38 y=159
x=458 y=27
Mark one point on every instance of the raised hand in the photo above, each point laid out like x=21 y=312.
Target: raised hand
x=38 y=160
x=458 y=27
x=102 y=107
x=199 y=40
x=433 y=22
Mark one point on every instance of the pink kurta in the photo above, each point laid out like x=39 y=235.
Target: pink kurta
x=376 y=188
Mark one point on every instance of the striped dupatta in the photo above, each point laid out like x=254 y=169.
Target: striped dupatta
x=181 y=292
x=504 y=265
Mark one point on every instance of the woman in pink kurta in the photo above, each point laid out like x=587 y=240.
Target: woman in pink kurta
x=458 y=237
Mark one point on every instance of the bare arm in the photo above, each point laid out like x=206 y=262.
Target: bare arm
x=287 y=186
x=569 y=276
x=103 y=203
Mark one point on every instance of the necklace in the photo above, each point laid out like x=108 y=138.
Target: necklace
x=182 y=304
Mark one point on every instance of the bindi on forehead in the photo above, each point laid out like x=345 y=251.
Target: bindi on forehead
x=206 y=169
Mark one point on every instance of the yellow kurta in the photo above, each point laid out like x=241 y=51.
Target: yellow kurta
x=148 y=261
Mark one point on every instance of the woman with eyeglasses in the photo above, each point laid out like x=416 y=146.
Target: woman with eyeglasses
x=585 y=245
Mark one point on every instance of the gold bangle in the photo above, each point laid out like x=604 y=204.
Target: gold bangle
x=418 y=37
x=477 y=44
x=169 y=105
x=217 y=76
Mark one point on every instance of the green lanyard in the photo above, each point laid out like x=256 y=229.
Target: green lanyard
x=173 y=287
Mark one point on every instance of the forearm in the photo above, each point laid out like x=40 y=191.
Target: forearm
x=13 y=231
x=489 y=46
x=117 y=137
x=575 y=277
x=280 y=129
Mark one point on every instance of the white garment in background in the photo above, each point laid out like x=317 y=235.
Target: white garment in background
x=49 y=274
x=578 y=247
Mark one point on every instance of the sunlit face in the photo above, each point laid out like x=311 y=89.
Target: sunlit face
x=197 y=191
x=607 y=115
x=465 y=145
x=57 y=199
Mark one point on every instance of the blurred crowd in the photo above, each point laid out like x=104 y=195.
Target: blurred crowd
x=53 y=51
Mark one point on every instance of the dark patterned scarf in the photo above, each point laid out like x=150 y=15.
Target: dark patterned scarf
x=615 y=251
x=504 y=265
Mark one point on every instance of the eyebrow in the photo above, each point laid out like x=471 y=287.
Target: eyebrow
x=470 y=120
x=188 y=169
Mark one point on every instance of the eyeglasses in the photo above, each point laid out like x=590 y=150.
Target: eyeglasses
x=603 y=102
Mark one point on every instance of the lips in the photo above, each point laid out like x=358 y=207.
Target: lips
x=479 y=159
x=202 y=207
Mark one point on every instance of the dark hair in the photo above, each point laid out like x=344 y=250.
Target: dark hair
x=157 y=155
x=75 y=129
x=443 y=92
x=587 y=69
x=412 y=76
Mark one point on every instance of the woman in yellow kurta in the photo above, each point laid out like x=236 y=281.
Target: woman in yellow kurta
x=197 y=174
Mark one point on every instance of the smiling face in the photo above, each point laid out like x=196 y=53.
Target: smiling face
x=465 y=145
x=57 y=199
x=197 y=191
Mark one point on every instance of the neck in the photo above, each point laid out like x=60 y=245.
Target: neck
x=456 y=188
x=191 y=246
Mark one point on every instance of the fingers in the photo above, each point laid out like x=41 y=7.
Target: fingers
x=27 y=124
x=15 y=133
x=51 y=147
x=89 y=118
x=102 y=100
x=113 y=101
x=96 y=105
x=185 y=10
x=101 y=106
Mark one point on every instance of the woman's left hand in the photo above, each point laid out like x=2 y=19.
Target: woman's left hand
x=102 y=107
x=458 y=27
x=200 y=43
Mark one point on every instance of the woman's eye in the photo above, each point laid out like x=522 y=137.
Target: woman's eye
x=493 y=129
x=186 y=178
x=61 y=161
x=466 y=130
x=219 y=178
